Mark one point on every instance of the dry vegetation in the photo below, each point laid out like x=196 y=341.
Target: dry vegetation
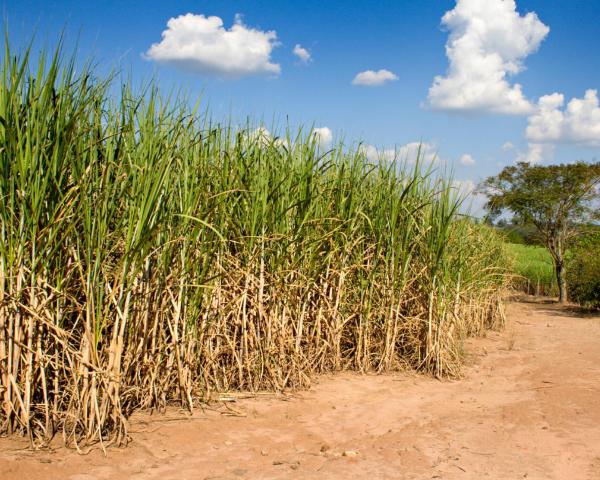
x=148 y=256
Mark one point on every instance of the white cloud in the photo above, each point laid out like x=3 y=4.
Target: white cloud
x=263 y=138
x=536 y=153
x=323 y=136
x=546 y=123
x=507 y=146
x=578 y=123
x=260 y=132
x=409 y=152
x=426 y=151
x=260 y=136
x=374 y=154
x=464 y=186
x=302 y=53
x=467 y=160
x=200 y=44
x=370 y=78
x=474 y=202
x=488 y=43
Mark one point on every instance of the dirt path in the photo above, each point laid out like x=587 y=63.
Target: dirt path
x=529 y=407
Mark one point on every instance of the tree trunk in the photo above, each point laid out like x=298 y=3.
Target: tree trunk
x=561 y=280
x=555 y=244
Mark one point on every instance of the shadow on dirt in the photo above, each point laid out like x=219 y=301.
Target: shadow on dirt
x=552 y=307
x=572 y=311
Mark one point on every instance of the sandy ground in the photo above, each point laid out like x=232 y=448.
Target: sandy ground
x=528 y=407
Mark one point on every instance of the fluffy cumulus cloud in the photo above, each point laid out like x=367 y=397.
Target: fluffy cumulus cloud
x=302 y=53
x=262 y=137
x=474 y=202
x=323 y=136
x=507 y=146
x=488 y=42
x=467 y=160
x=466 y=187
x=409 y=152
x=371 y=78
x=536 y=153
x=375 y=154
x=425 y=151
x=577 y=123
x=201 y=44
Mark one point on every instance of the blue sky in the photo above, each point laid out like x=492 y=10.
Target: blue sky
x=475 y=109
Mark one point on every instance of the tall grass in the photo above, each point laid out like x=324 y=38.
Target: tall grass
x=148 y=256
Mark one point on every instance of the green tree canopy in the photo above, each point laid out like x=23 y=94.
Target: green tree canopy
x=555 y=198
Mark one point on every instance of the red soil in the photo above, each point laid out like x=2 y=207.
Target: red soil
x=528 y=407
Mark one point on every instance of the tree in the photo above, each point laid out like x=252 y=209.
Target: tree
x=556 y=199
x=584 y=268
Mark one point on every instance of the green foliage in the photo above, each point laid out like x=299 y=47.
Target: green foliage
x=550 y=197
x=514 y=236
x=150 y=256
x=525 y=234
x=533 y=269
x=554 y=198
x=583 y=270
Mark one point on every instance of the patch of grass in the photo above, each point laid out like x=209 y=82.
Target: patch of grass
x=533 y=269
